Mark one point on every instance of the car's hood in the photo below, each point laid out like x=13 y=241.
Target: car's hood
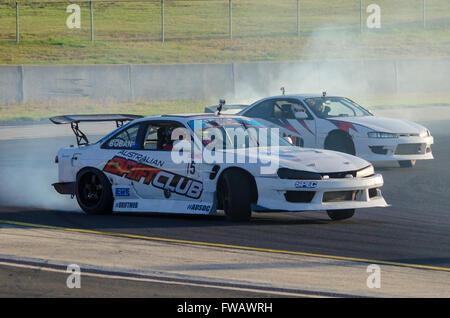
x=305 y=159
x=381 y=124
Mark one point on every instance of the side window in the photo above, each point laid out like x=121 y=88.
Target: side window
x=126 y=139
x=283 y=109
x=151 y=138
x=263 y=110
x=288 y=109
x=160 y=135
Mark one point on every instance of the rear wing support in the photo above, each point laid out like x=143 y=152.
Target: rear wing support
x=82 y=140
x=74 y=120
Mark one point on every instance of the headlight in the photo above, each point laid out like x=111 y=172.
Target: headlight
x=425 y=133
x=366 y=172
x=378 y=134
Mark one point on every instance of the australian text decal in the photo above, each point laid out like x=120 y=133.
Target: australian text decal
x=147 y=174
x=141 y=158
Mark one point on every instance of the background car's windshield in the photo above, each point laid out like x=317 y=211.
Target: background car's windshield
x=235 y=133
x=326 y=107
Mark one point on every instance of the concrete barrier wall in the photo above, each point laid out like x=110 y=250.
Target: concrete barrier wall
x=11 y=84
x=125 y=83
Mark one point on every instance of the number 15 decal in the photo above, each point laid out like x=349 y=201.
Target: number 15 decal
x=191 y=168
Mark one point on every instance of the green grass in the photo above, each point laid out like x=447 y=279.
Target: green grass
x=196 y=31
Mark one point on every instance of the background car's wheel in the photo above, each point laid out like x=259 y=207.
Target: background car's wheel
x=93 y=192
x=236 y=195
x=340 y=141
x=337 y=215
x=407 y=163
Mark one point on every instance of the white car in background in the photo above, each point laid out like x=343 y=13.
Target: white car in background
x=132 y=169
x=337 y=123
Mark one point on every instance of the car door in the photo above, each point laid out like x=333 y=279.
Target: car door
x=160 y=176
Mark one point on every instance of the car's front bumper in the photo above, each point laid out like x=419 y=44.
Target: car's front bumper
x=273 y=194
x=394 y=149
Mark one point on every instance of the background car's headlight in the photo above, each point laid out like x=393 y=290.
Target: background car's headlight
x=366 y=172
x=378 y=134
x=425 y=133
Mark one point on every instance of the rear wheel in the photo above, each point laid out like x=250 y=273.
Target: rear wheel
x=407 y=163
x=236 y=195
x=93 y=192
x=337 y=215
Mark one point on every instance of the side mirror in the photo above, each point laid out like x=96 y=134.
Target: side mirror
x=301 y=115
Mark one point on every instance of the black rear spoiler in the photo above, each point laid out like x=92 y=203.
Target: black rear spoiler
x=74 y=120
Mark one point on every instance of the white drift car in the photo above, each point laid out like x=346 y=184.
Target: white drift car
x=337 y=123
x=199 y=164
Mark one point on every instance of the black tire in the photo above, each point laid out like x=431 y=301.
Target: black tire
x=337 y=215
x=407 y=163
x=340 y=141
x=93 y=192
x=236 y=195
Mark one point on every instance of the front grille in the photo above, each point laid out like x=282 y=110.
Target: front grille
x=285 y=173
x=337 y=196
x=299 y=196
x=409 y=149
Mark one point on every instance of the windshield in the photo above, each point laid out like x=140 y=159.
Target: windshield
x=235 y=133
x=329 y=107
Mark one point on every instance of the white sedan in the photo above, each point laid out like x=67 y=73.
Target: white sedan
x=337 y=123
x=200 y=164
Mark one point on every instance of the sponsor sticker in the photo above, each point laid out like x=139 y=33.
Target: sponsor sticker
x=199 y=207
x=305 y=184
x=122 y=192
x=165 y=180
x=127 y=205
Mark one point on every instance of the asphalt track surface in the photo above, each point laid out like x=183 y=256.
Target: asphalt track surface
x=414 y=230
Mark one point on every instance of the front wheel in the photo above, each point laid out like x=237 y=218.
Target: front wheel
x=341 y=142
x=236 y=195
x=407 y=163
x=337 y=215
x=93 y=192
